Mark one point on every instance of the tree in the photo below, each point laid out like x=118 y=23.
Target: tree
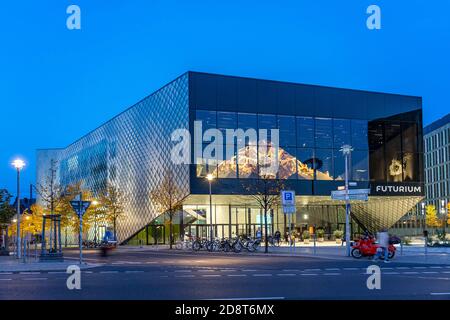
x=33 y=218
x=112 y=201
x=7 y=212
x=168 y=198
x=432 y=219
x=266 y=192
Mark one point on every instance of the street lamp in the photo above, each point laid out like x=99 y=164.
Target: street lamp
x=210 y=178
x=347 y=150
x=95 y=203
x=18 y=164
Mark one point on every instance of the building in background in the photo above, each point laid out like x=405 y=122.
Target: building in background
x=133 y=150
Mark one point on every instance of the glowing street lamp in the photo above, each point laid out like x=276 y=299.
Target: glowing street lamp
x=210 y=178
x=18 y=164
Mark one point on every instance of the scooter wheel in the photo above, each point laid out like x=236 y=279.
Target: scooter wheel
x=356 y=253
x=391 y=254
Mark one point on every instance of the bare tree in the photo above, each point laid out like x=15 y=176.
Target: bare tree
x=266 y=192
x=112 y=201
x=168 y=197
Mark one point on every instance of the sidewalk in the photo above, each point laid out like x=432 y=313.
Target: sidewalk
x=409 y=254
x=11 y=264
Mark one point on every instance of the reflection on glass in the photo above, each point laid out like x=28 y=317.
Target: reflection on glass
x=410 y=166
x=360 y=166
x=339 y=165
x=341 y=132
x=286 y=125
x=323 y=163
x=305 y=163
x=228 y=168
x=409 y=135
x=226 y=120
x=305 y=132
x=287 y=164
x=324 y=133
x=247 y=121
x=359 y=135
x=393 y=146
x=208 y=119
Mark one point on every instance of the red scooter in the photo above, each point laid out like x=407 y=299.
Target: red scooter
x=366 y=247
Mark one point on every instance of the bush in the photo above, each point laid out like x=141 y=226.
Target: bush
x=338 y=234
x=406 y=241
x=320 y=233
x=306 y=234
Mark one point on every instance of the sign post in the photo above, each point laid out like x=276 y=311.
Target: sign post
x=288 y=203
x=80 y=207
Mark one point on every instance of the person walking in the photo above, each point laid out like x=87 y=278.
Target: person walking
x=383 y=242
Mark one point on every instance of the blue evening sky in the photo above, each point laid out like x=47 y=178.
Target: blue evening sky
x=56 y=84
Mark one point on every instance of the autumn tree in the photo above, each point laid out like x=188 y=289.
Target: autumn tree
x=112 y=203
x=432 y=219
x=33 y=219
x=266 y=193
x=168 y=197
x=7 y=212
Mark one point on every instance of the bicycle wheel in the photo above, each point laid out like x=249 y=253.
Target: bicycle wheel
x=196 y=246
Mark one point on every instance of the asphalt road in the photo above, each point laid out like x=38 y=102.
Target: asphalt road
x=186 y=276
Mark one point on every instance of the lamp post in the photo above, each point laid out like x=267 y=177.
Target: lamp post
x=425 y=234
x=18 y=164
x=95 y=203
x=346 y=150
x=210 y=178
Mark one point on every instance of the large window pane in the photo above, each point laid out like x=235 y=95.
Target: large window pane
x=248 y=162
x=323 y=163
x=376 y=135
x=226 y=120
x=305 y=163
x=339 y=165
x=411 y=166
x=305 y=132
x=207 y=160
x=324 y=133
x=248 y=121
x=360 y=166
x=208 y=118
x=359 y=135
x=286 y=125
x=341 y=132
x=266 y=121
x=287 y=164
x=409 y=135
x=228 y=167
x=377 y=167
x=393 y=154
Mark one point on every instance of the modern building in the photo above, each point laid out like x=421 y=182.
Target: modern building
x=134 y=150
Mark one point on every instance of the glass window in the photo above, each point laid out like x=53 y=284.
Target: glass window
x=376 y=135
x=339 y=165
x=394 y=162
x=341 y=132
x=286 y=125
x=208 y=119
x=248 y=162
x=305 y=163
x=247 y=121
x=323 y=163
x=305 y=132
x=360 y=166
x=324 y=133
x=267 y=160
x=287 y=164
x=266 y=121
x=207 y=161
x=359 y=135
x=226 y=120
x=227 y=168
x=411 y=166
x=409 y=135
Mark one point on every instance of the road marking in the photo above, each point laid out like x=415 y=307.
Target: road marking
x=5 y=279
x=29 y=272
x=228 y=270
x=435 y=267
x=134 y=271
x=236 y=275
x=312 y=269
x=410 y=272
x=56 y=272
x=183 y=271
x=249 y=270
x=419 y=267
x=285 y=274
x=211 y=275
x=351 y=269
x=109 y=271
x=185 y=276
x=262 y=275
x=445 y=271
x=291 y=270
x=332 y=269
x=332 y=274
x=389 y=273
x=5 y=273
x=384 y=268
x=205 y=270
x=34 y=279
x=401 y=268
x=150 y=262
x=429 y=272
x=308 y=274
x=253 y=298
x=440 y=293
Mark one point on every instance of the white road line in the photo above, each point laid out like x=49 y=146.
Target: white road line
x=183 y=271
x=29 y=272
x=109 y=271
x=429 y=272
x=401 y=268
x=249 y=270
x=150 y=262
x=391 y=273
x=308 y=274
x=419 y=267
x=285 y=274
x=440 y=293
x=352 y=269
x=34 y=279
x=205 y=270
x=134 y=271
x=185 y=276
x=236 y=275
x=56 y=272
x=410 y=272
x=332 y=274
x=445 y=271
x=332 y=269
x=1 y=273
x=5 y=279
x=262 y=275
x=386 y=268
x=291 y=270
x=211 y=275
x=228 y=270
x=312 y=269
x=435 y=267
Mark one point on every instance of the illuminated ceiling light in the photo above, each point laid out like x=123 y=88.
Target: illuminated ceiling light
x=18 y=164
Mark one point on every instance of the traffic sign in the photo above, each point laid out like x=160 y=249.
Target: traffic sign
x=288 y=198
x=80 y=207
x=289 y=209
x=360 y=197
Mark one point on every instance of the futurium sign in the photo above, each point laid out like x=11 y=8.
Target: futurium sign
x=397 y=189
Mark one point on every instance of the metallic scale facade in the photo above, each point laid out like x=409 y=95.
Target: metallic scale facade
x=132 y=149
